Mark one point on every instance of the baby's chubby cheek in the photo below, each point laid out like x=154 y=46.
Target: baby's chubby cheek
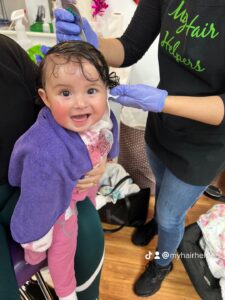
x=60 y=113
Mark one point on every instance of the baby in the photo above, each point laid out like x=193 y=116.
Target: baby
x=73 y=133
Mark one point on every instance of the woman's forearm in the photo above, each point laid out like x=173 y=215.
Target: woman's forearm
x=209 y=110
x=113 y=51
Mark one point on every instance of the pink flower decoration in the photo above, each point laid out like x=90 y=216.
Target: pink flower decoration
x=99 y=7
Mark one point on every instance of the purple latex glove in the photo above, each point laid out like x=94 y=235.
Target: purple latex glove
x=44 y=50
x=67 y=29
x=140 y=96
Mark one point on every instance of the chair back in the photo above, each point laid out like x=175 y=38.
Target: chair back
x=23 y=270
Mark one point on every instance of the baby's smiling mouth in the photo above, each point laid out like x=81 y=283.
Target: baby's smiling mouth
x=80 y=118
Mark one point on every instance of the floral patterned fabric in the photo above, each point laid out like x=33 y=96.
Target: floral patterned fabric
x=212 y=224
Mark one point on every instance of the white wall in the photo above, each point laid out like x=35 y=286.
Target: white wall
x=11 y=5
x=126 y=7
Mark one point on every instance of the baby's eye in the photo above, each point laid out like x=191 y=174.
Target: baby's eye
x=92 y=91
x=65 y=93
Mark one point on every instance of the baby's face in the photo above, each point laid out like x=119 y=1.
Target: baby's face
x=76 y=102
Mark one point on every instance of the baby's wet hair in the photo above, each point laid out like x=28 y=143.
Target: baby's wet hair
x=77 y=52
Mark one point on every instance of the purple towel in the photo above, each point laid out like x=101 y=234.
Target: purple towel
x=46 y=162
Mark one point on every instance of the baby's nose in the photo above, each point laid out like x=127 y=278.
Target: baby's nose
x=80 y=102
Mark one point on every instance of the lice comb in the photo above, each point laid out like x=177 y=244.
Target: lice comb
x=71 y=7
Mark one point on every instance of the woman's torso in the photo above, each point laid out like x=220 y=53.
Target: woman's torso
x=192 y=62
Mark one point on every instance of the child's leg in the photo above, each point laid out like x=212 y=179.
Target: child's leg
x=61 y=257
x=35 y=251
x=32 y=257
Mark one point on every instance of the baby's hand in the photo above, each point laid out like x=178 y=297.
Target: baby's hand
x=92 y=178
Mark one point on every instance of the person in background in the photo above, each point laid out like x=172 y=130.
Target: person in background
x=18 y=111
x=185 y=131
x=75 y=129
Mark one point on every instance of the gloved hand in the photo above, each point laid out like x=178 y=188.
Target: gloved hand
x=67 y=29
x=140 y=96
x=44 y=50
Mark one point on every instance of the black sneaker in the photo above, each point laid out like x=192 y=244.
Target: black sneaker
x=150 y=281
x=144 y=234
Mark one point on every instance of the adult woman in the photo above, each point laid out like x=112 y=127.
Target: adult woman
x=18 y=112
x=185 y=132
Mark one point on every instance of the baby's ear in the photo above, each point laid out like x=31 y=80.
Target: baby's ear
x=42 y=94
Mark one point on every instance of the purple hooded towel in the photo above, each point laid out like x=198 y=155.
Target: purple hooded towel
x=46 y=162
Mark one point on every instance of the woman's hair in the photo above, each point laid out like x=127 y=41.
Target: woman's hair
x=77 y=52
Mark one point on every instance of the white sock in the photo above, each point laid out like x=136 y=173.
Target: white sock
x=72 y=296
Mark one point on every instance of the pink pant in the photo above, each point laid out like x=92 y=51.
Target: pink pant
x=63 y=248
x=61 y=255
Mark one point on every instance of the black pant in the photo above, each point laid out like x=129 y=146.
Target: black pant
x=8 y=283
